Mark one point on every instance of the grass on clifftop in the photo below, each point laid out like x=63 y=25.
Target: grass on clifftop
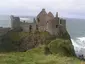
x=16 y=36
x=36 y=56
x=62 y=46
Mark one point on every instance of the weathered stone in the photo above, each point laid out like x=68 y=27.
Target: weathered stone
x=43 y=22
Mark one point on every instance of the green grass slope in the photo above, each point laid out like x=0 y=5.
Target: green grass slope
x=36 y=56
x=61 y=49
x=61 y=46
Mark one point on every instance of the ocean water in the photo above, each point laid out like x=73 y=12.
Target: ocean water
x=5 y=21
x=75 y=27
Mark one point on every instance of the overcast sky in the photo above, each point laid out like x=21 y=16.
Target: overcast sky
x=66 y=8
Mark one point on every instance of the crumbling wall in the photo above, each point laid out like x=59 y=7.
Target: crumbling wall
x=41 y=20
x=15 y=22
x=27 y=27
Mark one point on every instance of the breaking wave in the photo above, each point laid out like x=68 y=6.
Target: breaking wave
x=79 y=46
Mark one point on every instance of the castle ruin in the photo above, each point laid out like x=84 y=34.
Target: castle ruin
x=43 y=22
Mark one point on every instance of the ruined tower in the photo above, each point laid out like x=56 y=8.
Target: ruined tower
x=15 y=22
x=41 y=20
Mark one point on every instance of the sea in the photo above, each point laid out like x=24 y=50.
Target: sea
x=75 y=27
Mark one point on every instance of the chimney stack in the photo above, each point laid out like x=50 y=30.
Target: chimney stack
x=43 y=9
x=56 y=14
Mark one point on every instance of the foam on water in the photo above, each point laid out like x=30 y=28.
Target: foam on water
x=79 y=45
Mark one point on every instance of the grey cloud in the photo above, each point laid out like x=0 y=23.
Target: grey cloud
x=71 y=8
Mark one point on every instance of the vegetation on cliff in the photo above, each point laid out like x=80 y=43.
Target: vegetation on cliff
x=61 y=46
x=23 y=41
x=39 y=47
x=36 y=56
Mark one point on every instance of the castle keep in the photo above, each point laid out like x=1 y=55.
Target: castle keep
x=43 y=22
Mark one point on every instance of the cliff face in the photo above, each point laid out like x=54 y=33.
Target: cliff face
x=62 y=32
x=35 y=39
x=62 y=44
x=23 y=41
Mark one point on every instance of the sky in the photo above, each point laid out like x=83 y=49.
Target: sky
x=66 y=8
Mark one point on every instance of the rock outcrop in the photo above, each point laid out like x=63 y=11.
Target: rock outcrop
x=23 y=41
x=62 y=44
x=35 y=39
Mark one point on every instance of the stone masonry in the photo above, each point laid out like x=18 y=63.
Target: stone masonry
x=43 y=22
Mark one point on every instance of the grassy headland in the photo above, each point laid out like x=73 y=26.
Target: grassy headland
x=40 y=48
x=36 y=56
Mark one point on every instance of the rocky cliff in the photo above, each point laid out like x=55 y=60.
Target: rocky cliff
x=22 y=41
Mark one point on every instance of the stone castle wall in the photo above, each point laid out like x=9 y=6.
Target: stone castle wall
x=44 y=22
x=41 y=20
x=28 y=27
x=50 y=23
x=63 y=22
x=15 y=22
